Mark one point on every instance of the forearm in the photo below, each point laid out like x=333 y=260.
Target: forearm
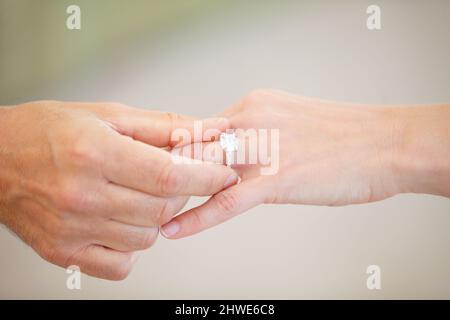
x=422 y=149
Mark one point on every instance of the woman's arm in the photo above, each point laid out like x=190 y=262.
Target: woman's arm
x=423 y=149
x=330 y=154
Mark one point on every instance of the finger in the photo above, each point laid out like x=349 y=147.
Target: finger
x=206 y=151
x=160 y=129
x=219 y=208
x=137 y=208
x=213 y=152
x=125 y=238
x=135 y=165
x=104 y=263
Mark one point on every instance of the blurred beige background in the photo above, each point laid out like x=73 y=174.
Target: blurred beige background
x=197 y=57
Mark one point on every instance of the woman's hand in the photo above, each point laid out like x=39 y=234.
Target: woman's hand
x=329 y=154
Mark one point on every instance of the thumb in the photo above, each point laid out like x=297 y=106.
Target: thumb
x=219 y=208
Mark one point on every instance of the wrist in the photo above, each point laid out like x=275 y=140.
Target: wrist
x=4 y=111
x=4 y=115
x=5 y=128
x=421 y=149
x=6 y=158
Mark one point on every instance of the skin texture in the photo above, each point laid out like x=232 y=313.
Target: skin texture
x=90 y=184
x=331 y=154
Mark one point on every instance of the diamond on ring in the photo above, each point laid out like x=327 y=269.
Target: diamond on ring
x=230 y=144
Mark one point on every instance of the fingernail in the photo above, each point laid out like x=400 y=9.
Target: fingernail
x=170 y=229
x=231 y=180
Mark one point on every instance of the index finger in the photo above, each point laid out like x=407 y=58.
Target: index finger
x=154 y=127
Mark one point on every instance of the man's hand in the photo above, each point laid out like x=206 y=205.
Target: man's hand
x=90 y=184
x=330 y=154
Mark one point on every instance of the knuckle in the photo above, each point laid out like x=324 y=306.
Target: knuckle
x=213 y=184
x=50 y=242
x=227 y=202
x=149 y=238
x=172 y=117
x=56 y=231
x=82 y=152
x=255 y=97
x=197 y=221
x=52 y=253
x=163 y=213
x=170 y=181
x=48 y=253
x=140 y=240
x=73 y=199
x=121 y=270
